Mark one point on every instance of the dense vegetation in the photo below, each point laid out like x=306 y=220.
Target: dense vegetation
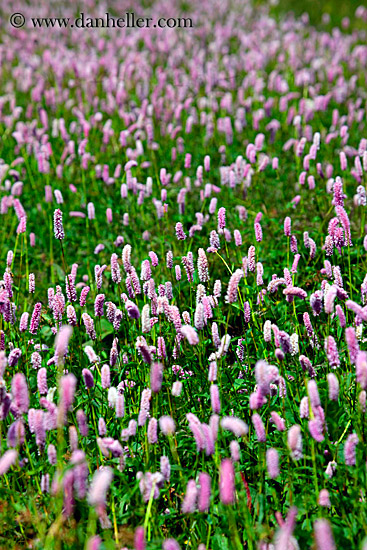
x=184 y=289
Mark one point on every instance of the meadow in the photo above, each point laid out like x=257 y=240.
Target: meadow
x=183 y=360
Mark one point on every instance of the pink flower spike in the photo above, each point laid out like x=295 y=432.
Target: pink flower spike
x=227 y=482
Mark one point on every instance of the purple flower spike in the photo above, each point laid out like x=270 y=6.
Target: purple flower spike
x=58 y=227
x=287 y=226
x=189 y=502
x=259 y=427
x=88 y=378
x=98 y=305
x=132 y=309
x=19 y=390
x=156 y=377
x=350 y=449
x=258 y=233
x=272 y=462
x=35 y=319
x=221 y=219
x=180 y=234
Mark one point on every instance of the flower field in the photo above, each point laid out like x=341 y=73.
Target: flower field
x=183 y=293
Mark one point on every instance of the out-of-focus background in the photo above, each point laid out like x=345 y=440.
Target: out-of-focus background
x=336 y=9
